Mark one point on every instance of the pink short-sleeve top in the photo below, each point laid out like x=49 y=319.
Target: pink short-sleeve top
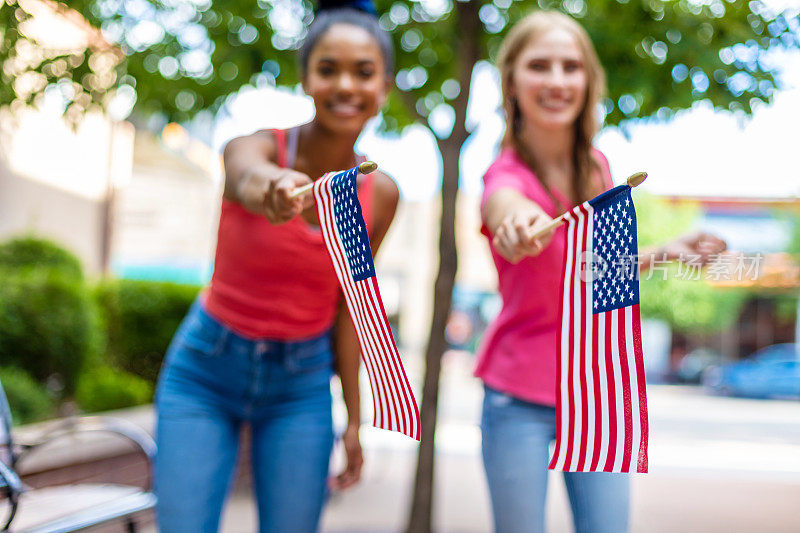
x=517 y=354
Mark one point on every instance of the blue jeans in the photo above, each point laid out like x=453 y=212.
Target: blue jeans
x=213 y=381
x=516 y=443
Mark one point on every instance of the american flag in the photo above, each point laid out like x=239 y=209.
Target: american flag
x=346 y=238
x=601 y=414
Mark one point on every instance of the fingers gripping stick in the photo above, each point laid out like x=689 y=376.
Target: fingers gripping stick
x=633 y=181
x=367 y=167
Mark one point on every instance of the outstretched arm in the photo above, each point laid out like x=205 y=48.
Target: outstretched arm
x=513 y=220
x=700 y=246
x=254 y=179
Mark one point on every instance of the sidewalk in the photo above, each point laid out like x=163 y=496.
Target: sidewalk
x=717 y=464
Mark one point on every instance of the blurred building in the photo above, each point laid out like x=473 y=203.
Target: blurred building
x=763 y=227
x=55 y=182
x=124 y=201
x=408 y=262
x=165 y=218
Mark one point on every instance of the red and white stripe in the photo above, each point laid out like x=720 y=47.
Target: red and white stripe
x=394 y=404
x=601 y=415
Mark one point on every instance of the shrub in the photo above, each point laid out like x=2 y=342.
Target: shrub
x=29 y=401
x=104 y=388
x=48 y=324
x=31 y=252
x=140 y=319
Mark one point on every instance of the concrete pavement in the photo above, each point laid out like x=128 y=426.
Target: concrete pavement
x=717 y=464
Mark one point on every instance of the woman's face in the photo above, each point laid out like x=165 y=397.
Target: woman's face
x=346 y=78
x=549 y=81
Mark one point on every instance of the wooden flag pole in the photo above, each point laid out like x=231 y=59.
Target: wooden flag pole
x=633 y=181
x=367 y=167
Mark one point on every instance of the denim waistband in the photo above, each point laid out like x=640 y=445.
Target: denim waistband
x=227 y=339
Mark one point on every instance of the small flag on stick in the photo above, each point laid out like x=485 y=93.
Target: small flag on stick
x=346 y=238
x=601 y=411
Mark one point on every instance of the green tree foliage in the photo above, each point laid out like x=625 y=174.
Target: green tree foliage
x=786 y=302
x=184 y=56
x=794 y=233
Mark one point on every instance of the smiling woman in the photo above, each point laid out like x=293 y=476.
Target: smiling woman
x=552 y=82
x=346 y=78
x=261 y=343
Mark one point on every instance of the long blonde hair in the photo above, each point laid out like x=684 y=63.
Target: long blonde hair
x=586 y=125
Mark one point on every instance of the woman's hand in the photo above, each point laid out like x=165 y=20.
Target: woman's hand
x=514 y=238
x=261 y=190
x=698 y=246
x=355 y=460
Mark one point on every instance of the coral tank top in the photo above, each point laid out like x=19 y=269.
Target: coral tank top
x=275 y=281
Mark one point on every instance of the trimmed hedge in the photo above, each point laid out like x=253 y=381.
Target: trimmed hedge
x=30 y=252
x=48 y=324
x=104 y=345
x=104 y=388
x=28 y=400
x=140 y=319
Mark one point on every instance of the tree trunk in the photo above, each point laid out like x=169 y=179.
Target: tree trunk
x=420 y=519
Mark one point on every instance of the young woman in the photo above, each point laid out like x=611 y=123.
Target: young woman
x=260 y=345
x=551 y=82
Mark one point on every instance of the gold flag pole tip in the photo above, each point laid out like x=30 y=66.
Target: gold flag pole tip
x=368 y=167
x=637 y=179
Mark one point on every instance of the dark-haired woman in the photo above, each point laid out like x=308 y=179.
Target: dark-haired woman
x=260 y=345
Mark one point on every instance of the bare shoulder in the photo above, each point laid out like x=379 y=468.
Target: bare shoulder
x=386 y=196
x=262 y=142
x=386 y=190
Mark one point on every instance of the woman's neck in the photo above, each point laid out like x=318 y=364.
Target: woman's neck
x=551 y=149
x=321 y=150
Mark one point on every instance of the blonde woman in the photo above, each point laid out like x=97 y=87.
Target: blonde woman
x=552 y=81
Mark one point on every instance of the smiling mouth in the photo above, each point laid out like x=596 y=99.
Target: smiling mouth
x=345 y=110
x=555 y=105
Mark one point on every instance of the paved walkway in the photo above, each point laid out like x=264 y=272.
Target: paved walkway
x=717 y=464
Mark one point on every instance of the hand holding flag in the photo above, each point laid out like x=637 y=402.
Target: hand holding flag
x=523 y=234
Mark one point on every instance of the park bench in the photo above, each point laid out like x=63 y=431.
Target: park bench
x=72 y=507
